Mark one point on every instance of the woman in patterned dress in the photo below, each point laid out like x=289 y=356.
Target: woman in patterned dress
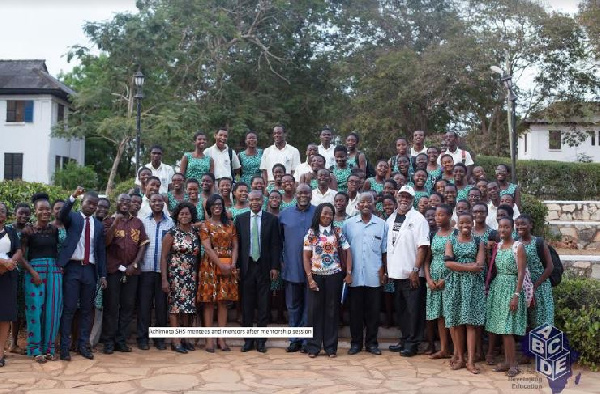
x=178 y=266
x=355 y=158
x=250 y=158
x=218 y=273
x=542 y=309
x=278 y=173
x=341 y=170
x=464 y=293
x=240 y=196
x=376 y=183
x=195 y=164
x=505 y=187
x=435 y=275
x=460 y=181
x=506 y=306
x=323 y=269
x=288 y=198
x=178 y=194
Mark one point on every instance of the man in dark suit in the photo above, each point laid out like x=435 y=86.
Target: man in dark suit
x=259 y=262
x=83 y=258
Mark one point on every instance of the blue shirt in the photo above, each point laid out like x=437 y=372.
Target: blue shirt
x=294 y=226
x=368 y=242
x=155 y=232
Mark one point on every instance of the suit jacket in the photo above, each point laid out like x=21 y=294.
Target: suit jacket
x=270 y=242
x=74 y=223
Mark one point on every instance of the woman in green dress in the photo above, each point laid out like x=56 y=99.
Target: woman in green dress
x=435 y=275
x=434 y=171
x=278 y=171
x=460 y=180
x=542 y=309
x=177 y=194
x=418 y=183
x=504 y=186
x=464 y=294
x=401 y=153
x=447 y=163
x=376 y=183
x=506 y=306
x=195 y=164
x=340 y=202
x=342 y=169
x=355 y=157
x=192 y=189
x=240 y=197
x=250 y=158
x=288 y=198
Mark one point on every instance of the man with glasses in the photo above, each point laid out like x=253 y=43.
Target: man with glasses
x=159 y=169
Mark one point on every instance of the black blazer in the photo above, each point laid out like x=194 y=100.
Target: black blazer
x=270 y=242
x=74 y=223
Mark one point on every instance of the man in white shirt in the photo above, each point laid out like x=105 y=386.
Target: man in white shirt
x=323 y=193
x=353 y=195
x=227 y=164
x=326 y=149
x=494 y=196
x=152 y=187
x=280 y=152
x=408 y=242
x=459 y=155
x=305 y=167
x=418 y=145
x=159 y=169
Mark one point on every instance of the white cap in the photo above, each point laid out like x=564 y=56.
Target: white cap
x=407 y=189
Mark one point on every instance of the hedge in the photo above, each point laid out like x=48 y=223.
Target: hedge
x=14 y=192
x=551 y=180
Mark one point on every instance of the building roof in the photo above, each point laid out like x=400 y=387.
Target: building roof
x=565 y=112
x=30 y=77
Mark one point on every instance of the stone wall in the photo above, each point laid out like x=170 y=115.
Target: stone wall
x=573 y=210
x=575 y=221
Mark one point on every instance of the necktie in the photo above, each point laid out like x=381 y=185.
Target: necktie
x=254 y=241
x=87 y=242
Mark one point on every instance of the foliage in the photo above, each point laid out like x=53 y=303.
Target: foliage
x=122 y=187
x=553 y=180
x=577 y=314
x=74 y=175
x=538 y=211
x=15 y=192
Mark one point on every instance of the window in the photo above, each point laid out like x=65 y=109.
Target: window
x=13 y=166
x=19 y=111
x=61 y=162
x=61 y=113
x=525 y=142
x=554 y=139
x=592 y=134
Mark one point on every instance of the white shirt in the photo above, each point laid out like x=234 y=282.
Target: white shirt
x=352 y=208
x=288 y=156
x=164 y=172
x=301 y=169
x=319 y=198
x=414 y=153
x=145 y=209
x=402 y=245
x=492 y=219
x=328 y=155
x=457 y=155
x=223 y=165
x=79 y=252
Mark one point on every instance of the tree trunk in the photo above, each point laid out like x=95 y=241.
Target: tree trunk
x=113 y=171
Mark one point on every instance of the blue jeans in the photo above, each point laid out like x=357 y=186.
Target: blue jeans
x=296 y=299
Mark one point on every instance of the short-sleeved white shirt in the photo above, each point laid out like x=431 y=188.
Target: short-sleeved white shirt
x=328 y=155
x=457 y=155
x=288 y=156
x=402 y=245
x=223 y=165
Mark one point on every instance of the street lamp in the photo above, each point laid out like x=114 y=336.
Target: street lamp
x=511 y=98
x=138 y=80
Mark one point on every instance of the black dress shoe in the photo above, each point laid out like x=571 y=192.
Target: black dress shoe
x=354 y=350
x=121 y=347
x=261 y=347
x=408 y=353
x=65 y=355
x=294 y=347
x=188 y=346
x=179 y=349
x=161 y=346
x=143 y=346
x=108 y=349
x=397 y=347
x=87 y=353
x=248 y=346
x=374 y=350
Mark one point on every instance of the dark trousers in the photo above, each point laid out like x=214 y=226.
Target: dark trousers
x=296 y=295
x=324 y=313
x=150 y=294
x=79 y=286
x=365 y=305
x=410 y=304
x=255 y=286
x=119 y=305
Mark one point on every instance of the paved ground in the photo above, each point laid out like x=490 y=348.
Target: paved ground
x=273 y=372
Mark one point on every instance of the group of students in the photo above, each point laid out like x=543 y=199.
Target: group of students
x=193 y=237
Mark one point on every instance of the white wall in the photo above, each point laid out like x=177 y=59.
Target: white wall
x=537 y=145
x=34 y=140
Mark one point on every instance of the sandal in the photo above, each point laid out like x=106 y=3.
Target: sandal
x=439 y=355
x=474 y=369
x=501 y=368
x=512 y=372
x=2 y=361
x=51 y=357
x=17 y=350
x=489 y=359
x=40 y=359
x=455 y=366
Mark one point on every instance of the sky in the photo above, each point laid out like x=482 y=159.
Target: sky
x=45 y=29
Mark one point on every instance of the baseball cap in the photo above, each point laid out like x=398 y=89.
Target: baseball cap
x=407 y=189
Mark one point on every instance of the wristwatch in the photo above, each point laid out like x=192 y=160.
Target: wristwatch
x=349 y=272
x=416 y=269
x=135 y=265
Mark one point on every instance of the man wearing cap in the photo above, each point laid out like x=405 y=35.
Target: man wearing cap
x=407 y=246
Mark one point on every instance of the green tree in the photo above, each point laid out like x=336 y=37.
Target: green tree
x=74 y=175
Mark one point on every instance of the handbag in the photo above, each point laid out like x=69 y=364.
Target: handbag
x=224 y=260
x=492 y=270
x=527 y=286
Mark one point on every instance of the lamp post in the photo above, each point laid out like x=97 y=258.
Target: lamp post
x=138 y=80
x=511 y=98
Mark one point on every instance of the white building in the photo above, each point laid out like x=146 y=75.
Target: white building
x=545 y=140
x=31 y=103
